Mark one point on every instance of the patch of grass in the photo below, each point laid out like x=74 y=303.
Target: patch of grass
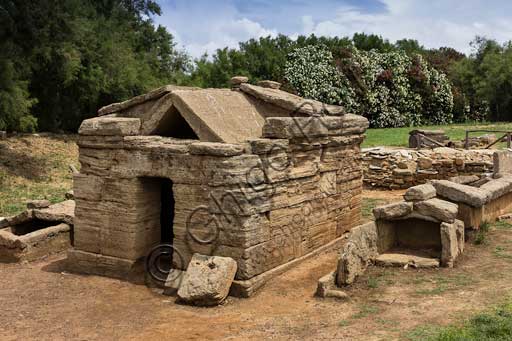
x=503 y=225
x=372 y=282
x=365 y=311
x=481 y=235
x=443 y=283
x=344 y=323
x=368 y=205
x=400 y=136
x=35 y=167
x=501 y=252
x=495 y=324
x=423 y=332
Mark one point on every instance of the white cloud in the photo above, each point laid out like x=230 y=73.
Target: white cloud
x=434 y=23
x=203 y=26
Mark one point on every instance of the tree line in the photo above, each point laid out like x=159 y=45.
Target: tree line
x=60 y=60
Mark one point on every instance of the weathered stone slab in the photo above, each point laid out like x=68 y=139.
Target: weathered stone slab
x=452 y=240
x=361 y=247
x=420 y=192
x=207 y=280
x=296 y=127
x=110 y=126
x=464 y=179
x=219 y=115
x=502 y=161
x=497 y=188
x=38 y=204
x=437 y=208
x=471 y=196
x=154 y=94
x=216 y=149
x=291 y=102
x=401 y=260
x=64 y=212
x=269 y=84
x=393 y=211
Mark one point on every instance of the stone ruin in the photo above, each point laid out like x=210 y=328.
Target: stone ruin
x=427 y=229
x=41 y=230
x=252 y=173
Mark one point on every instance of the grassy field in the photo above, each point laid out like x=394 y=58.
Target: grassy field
x=400 y=136
x=35 y=167
x=494 y=324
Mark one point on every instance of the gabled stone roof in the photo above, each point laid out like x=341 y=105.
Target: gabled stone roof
x=215 y=115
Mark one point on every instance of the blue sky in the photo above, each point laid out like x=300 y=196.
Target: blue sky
x=204 y=25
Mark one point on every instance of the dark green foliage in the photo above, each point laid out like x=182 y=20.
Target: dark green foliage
x=60 y=60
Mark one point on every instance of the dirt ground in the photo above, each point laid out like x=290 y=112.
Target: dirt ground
x=42 y=301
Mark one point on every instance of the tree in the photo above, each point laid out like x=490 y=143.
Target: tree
x=66 y=58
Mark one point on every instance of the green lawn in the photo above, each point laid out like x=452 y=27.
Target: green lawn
x=494 y=324
x=400 y=136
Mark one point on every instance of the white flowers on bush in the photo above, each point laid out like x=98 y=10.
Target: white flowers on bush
x=391 y=89
x=311 y=71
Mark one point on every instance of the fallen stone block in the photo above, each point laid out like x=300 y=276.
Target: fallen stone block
x=437 y=208
x=393 y=211
x=420 y=192
x=207 y=280
x=173 y=282
x=327 y=287
x=401 y=260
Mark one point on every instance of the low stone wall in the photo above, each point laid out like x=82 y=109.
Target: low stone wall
x=403 y=168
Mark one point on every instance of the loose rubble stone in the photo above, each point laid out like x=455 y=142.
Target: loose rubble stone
x=472 y=196
x=401 y=260
x=327 y=287
x=393 y=211
x=207 y=280
x=437 y=208
x=237 y=80
x=38 y=204
x=384 y=167
x=420 y=192
x=3 y=135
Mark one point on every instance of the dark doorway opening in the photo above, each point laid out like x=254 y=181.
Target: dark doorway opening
x=166 y=212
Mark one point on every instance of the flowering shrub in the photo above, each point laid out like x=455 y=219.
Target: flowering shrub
x=391 y=89
x=311 y=72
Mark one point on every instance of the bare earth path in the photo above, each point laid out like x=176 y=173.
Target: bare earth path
x=41 y=301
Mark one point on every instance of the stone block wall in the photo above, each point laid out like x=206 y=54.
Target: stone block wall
x=402 y=168
x=263 y=203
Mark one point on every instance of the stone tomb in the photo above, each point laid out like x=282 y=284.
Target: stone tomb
x=252 y=173
x=36 y=233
